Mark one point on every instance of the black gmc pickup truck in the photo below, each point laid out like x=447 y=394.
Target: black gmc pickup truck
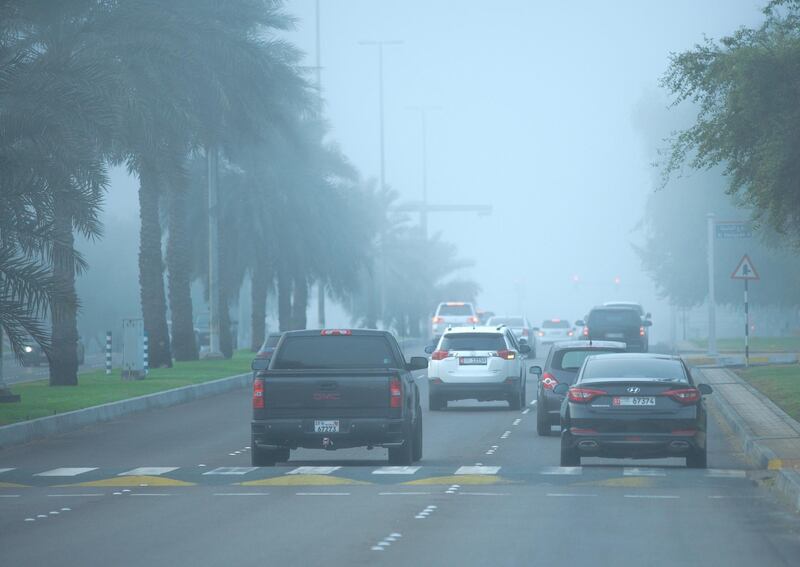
x=334 y=389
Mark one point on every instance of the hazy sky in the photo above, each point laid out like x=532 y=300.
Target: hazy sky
x=537 y=119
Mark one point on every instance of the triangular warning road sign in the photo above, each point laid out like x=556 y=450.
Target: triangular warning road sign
x=745 y=270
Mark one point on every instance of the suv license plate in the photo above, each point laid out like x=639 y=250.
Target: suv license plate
x=472 y=360
x=634 y=401
x=326 y=426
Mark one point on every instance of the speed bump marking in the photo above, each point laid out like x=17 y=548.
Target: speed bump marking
x=625 y=482
x=12 y=485
x=460 y=479
x=303 y=480
x=134 y=480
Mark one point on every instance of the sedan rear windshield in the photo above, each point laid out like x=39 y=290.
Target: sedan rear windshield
x=472 y=341
x=614 y=318
x=334 y=352
x=464 y=310
x=617 y=367
x=555 y=325
x=571 y=360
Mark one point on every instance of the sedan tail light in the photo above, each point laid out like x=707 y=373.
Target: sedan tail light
x=549 y=381
x=439 y=355
x=686 y=396
x=584 y=395
x=395 y=393
x=586 y=331
x=258 y=393
x=506 y=354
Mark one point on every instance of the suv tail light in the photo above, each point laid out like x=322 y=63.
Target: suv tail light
x=438 y=319
x=686 y=396
x=439 y=355
x=586 y=331
x=473 y=319
x=395 y=393
x=641 y=331
x=506 y=354
x=583 y=395
x=549 y=381
x=258 y=393
x=524 y=332
x=570 y=333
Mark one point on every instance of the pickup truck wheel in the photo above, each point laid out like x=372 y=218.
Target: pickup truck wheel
x=418 y=437
x=263 y=457
x=404 y=455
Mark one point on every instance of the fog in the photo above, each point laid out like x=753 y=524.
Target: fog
x=538 y=118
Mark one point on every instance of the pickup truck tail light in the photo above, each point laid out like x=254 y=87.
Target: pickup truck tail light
x=258 y=393
x=549 y=381
x=439 y=355
x=641 y=331
x=395 y=393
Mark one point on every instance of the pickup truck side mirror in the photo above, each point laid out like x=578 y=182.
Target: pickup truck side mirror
x=429 y=349
x=417 y=363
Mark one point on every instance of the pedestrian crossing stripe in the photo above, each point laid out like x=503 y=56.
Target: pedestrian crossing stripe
x=396 y=470
x=314 y=470
x=148 y=471
x=303 y=480
x=231 y=471
x=133 y=480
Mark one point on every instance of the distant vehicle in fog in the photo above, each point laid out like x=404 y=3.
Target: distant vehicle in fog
x=617 y=324
x=202 y=331
x=453 y=314
x=553 y=330
x=645 y=316
x=484 y=316
x=264 y=354
x=33 y=354
x=521 y=328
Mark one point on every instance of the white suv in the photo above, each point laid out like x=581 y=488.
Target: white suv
x=453 y=314
x=479 y=363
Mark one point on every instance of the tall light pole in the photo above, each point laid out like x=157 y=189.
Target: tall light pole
x=320 y=283
x=212 y=158
x=423 y=113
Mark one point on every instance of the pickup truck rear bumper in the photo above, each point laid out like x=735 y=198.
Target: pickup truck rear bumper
x=353 y=432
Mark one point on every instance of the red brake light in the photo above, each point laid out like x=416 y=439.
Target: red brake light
x=570 y=333
x=641 y=331
x=395 y=393
x=586 y=331
x=258 y=393
x=684 y=396
x=583 y=395
x=506 y=354
x=473 y=319
x=439 y=355
x=549 y=381
x=438 y=319
x=336 y=332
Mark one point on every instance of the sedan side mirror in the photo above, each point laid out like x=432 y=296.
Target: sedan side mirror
x=537 y=370
x=580 y=323
x=705 y=389
x=561 y=389
x=429 y=349
x=524 y=348
x=417 y=363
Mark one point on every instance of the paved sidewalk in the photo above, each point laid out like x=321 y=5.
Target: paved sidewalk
x=763 y=423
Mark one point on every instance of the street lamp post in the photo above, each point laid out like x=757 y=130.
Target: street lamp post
x=423 y=113
x=320 y=283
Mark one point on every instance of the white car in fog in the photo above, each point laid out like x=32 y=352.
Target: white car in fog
x=453 y=314
x=554 y=330
x=480 y=363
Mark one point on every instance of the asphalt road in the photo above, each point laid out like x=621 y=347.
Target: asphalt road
x=195 y=500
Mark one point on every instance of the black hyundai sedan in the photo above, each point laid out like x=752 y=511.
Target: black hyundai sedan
x=636 y=406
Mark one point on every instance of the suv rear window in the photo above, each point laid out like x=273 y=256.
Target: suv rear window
x=334 y=352
x=614 y=318
x=617 y=367
x=573 y=359
x=472 y=341
x=464 y=310
x=555 y=324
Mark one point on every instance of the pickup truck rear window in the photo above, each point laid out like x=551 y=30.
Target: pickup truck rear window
x=334 y=352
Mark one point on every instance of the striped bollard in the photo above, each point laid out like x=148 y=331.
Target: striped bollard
x=108 y=353
x=146 y=354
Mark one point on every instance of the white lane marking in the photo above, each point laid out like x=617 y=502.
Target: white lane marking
x=516 y=421
x=30 y=519
x=404 y=493
x=41 y=515
x=533 y=403
x=231 y=470
x=526 y=410
x=9 y=495
x=478 y=470
x=54 y=512
x=567 y=494
x=148 y=471
x=376 y=548
x=241 y=494
x=322 y=494
x=396 y=470
x=151 y=494
x=635 y=471
x=314 y=470
x=5 y=470
x=484 y=493
x=726 y=473
x=562 y=470
x=66 y=471
x=653 y=496
x=78 y=495
x=505 y=435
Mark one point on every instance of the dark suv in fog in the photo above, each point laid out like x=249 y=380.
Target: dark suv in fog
x=617 y=324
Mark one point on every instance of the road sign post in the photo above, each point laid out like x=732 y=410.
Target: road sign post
x=746 y=271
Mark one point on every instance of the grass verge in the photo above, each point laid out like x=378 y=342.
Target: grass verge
x=757 y=344
x=781 y=384
x=95 y=388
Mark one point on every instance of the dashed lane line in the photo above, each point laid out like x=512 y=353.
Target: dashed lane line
x=241 y=494
x=653 y=496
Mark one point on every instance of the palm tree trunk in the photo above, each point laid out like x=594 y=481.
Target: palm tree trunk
x=300 y=304
x=225 y=338
x=179 y=266
x=63 y=357
x=284 y=301
x=151 y=270
x=258 y=293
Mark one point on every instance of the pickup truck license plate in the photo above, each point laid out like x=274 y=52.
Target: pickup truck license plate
x=634 y=401
x=615 y=335
x=472 y=360
x=326 y=426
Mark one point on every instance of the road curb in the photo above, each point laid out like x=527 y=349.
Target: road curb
x=787 y=481
x=42 y=427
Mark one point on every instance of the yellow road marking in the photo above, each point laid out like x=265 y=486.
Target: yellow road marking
x=303 y=480
x=134 y=481
x=460 y=479
x=12 y=485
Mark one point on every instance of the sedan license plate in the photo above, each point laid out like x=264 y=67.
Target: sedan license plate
x=326 y=426
x=472 y=360
x=634 y=401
